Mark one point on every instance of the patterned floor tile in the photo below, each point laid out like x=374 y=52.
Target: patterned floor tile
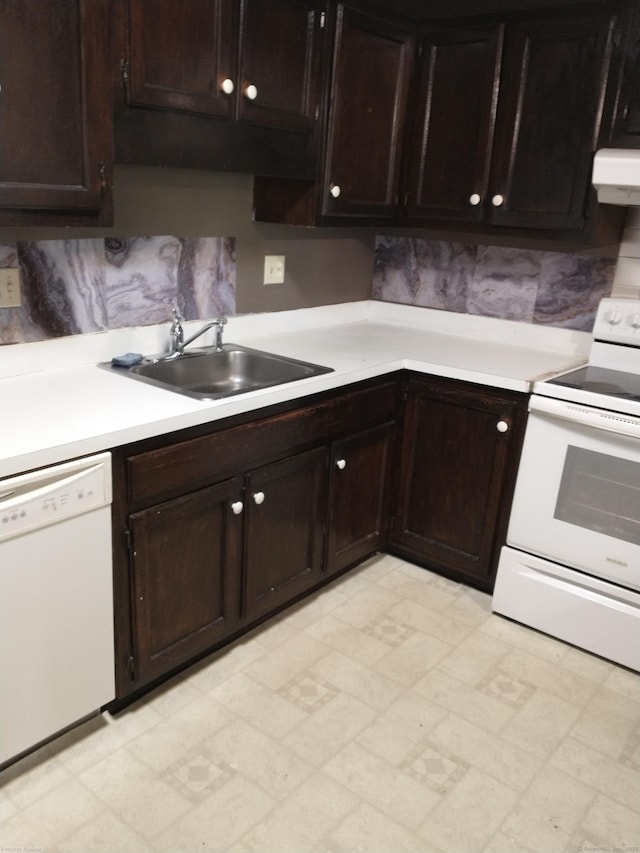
x=509 y=690
x=308 y=693
x=389 y=631
x=435 y=767
x=199 y=774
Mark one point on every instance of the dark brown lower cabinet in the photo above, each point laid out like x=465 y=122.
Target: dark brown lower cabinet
x=284 y=527
x=184 y=558
x=458 y=457
x=357 y=520
x=216 y=530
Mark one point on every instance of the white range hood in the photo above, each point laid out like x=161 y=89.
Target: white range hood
x=616 y=176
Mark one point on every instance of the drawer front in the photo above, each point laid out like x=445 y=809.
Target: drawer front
x=196 y=462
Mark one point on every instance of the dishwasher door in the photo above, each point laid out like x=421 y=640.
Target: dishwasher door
x=56 y=601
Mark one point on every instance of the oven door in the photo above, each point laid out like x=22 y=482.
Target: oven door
x=577 y=498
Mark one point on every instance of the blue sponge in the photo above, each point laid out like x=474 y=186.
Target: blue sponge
x=127 y=360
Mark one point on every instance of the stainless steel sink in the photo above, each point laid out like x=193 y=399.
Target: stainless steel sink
x=212 y=374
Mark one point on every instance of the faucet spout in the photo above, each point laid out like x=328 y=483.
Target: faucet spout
x=177 y=339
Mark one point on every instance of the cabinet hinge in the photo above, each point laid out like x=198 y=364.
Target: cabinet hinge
x=128 y=539
x=103 y=178
x=124 y=72
x=323 y=18
x=131 y=666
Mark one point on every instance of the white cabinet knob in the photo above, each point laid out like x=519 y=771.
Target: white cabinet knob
x=474 y=199
x=250 y=92
x=502 y=426
x=258 y=498
x=237 y=507
x=497 y=200
x=335 y=190
x=341 y=464
x=227 y=86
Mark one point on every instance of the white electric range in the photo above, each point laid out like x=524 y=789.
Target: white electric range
x=571 y=566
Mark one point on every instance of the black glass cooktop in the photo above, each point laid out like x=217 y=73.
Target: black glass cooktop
x=602 y=380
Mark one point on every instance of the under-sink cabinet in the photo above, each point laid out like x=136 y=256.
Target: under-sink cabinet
x=215 y=531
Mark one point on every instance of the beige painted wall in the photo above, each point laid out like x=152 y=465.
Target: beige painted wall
x=323 y=266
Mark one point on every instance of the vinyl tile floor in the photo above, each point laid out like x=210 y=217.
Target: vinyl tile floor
x=390 y=712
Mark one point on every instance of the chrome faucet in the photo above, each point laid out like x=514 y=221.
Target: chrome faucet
x=177 y=342
x=176 y=333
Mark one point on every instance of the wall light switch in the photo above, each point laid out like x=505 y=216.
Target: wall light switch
x=10 y=287
x=274 y=269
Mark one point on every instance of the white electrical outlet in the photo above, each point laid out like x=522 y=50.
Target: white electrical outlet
x=274 y=269
x=10 y=287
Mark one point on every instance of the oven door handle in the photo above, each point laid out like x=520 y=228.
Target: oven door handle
x=586 y=416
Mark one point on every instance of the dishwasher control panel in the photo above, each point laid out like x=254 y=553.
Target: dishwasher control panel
x=35 y=500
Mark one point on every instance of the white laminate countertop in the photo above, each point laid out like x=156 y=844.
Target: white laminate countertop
x=57 y=404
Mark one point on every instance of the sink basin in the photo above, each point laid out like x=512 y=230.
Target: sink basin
x=211 y=375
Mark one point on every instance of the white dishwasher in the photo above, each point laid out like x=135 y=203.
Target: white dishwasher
x=56 y=600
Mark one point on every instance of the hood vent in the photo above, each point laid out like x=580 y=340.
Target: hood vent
x=616 y=176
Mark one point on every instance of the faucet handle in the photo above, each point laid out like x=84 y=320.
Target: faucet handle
x=177 y=316
x=221 y=321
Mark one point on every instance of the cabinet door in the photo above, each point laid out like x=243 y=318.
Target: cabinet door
x=454 y=461
x=371 y=76
x=357 y=491
x=279 y=57
x=284 y=521
x=185 y=559
x=180 y=54
x=626 y=129
x=55 y=109
x=549 y=111
x=449 y=150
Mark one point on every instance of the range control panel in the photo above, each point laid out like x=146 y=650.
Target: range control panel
x=618 y=321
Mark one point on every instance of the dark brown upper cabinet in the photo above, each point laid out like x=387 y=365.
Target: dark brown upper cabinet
x=626 y=129
x=181 y=55
x=220 y=84
x=449 y=155
x=497 y=129
x=55 y=113
x=372 y=64
x=280 y=52
x=550 y=113
x=509 y=117
x=360 y=170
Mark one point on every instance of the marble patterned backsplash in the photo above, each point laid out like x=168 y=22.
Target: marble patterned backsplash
x=70 y=287
x=550 y=288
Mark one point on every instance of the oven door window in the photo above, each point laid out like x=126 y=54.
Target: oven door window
x=600 y=493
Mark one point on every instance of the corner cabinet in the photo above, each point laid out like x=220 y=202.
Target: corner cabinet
x=360 y=168
x=55 y=113
x=219 y=84
x=459 y=452
x=215 y=531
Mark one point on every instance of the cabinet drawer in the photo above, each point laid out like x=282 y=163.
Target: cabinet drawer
x=195 y=462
